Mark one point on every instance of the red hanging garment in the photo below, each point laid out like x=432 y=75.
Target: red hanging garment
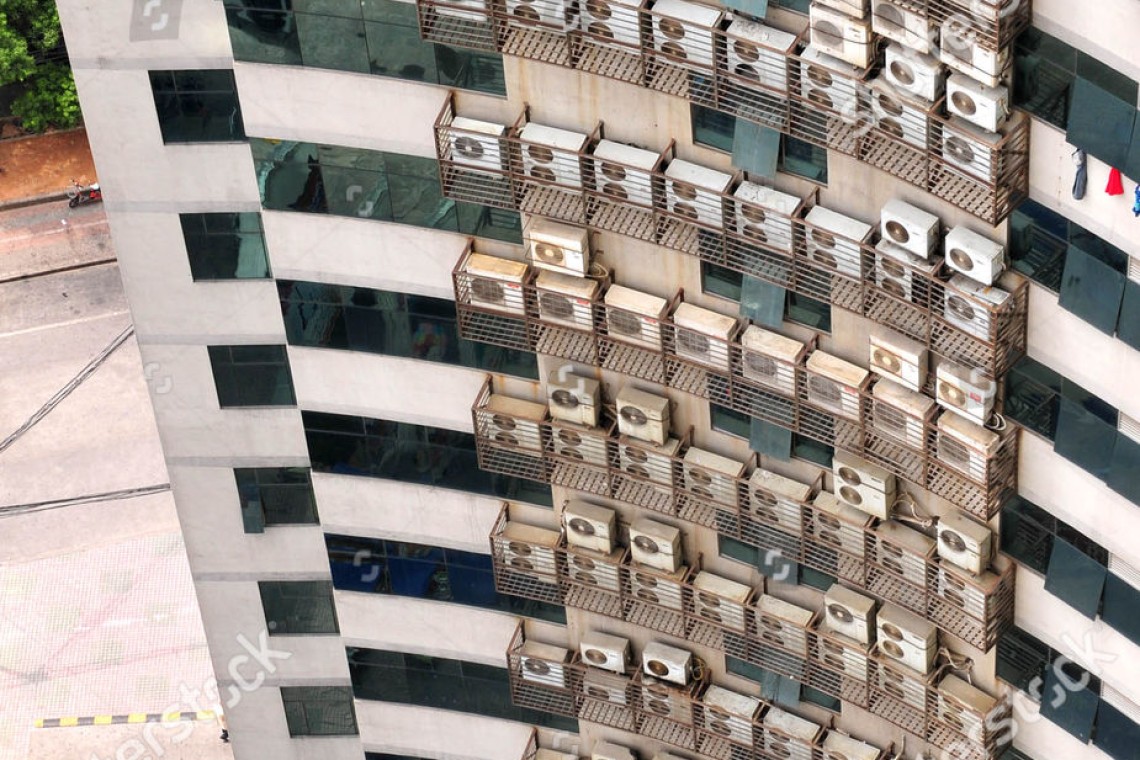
x=1115 y=183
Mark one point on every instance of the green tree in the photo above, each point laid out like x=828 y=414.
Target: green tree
x=31 y=45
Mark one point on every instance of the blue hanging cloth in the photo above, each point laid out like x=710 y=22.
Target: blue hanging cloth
x=1136 y=203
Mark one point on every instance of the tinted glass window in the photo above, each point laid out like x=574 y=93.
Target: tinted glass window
x=197 y=105
x=319 y=710
x=252 y=376
x=298 y=607
x=226 y=246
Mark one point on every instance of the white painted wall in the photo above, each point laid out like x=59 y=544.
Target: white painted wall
x=1042 y=738
x=258 y=730
x=99 y=34
x=442 y=734
x=1104 y=29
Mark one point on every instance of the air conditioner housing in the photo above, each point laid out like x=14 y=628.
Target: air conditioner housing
x=834 y=241
x=778 y=500
x=900 y=273
x=903 y=551
x=478 y=144
x=729 y=714
x=968 y=306
x=643 y=415
x=601 y=650
x=835 y=385
x=789 y=736
x=544 y=664
x=470 y=10
x=684 y=32
x=843 y=36
x=903 y=22
x=573 y=398
x=900 y=359
x=612 y=688
x=783 y=624
x=529 y=550
x=964 y=542
x=901 y=413
x=899 y=115
x=609 y=751
x=909 y=227
x=580 y=443
x=665 y=701
x=589 y=526
x=961 y=52
x=663 y=589
x=703 y=336
x=655 y=544
x=862 y=485
x=612 y=23
x=558 y=247
x=849 y=614
x=764 y=215
x=971 y=150
x=966 y=446
x=711 y=476
x=649 y=461
x=759 y=53
x=559 y=15
x=914 y=72
x=565 y=300
x=829 y=82
x=551 y=155
x=513 y=422
x=974 y=255
x=958 y=390
x=496 y=283
x=634 y=317
x=622 y=172
x=964 y=706
x=667 y=663
x=837 y=746
x=693 y=192
x=987 y=107
x=720 y=600
x=906 y=638
x=770 y=359
x=589 y=568
x=838 y=524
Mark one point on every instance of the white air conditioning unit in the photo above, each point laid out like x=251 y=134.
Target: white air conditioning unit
x=612 y=23
x=909 y=227
x=667 y=663
x=479 y=10
x=838 y=525
x=580 y=443
x=960 y=391
x=664 y=701
x=648 y=461
x=512 y=421
x=711 y=476
x=974 y=255
x=550 y=754
x=856 y=8
x=903 y=551
x=835 y=385
x=729 y=714
x=634 y=317
x=529 y=550
x=589 y=568
x=782 y=624
x=840 y=35
x=964 y=542
x=862 y=485
x=837 y=746
x=907 y=638
x=606 y=687
x=478 y=144
x=964 y=707
x=684 y=31
x=901 y=413
x=898 y=116
x=960 y=50
x=720 y=600
x=966 y=591
x=900 y=359
x=770 y=359
x=703 y=336
x=789 y=736
x=970 y=149
x=495 y=283
x=601 y=650
x=558 y=247
x=834 y=241
x=663 y=590
x=900 y=272
x=987 y=107
x=778 y=500
x=574 y=398
x=969 y=304
x=643 y=415
x=966 y=446
x=902 y=684
x=655 y=544
x=905 y=22
x=589 y=526
x=608 y=751
x=759 y=53
x=913 y=72
x=764 y=215
x=829 y=82
x=565 y=300
x=544 y=664
x=551 y=155
x=561 y=15
x=693 y=192
x=845 y=655
x=621 y=172
x=849 y=614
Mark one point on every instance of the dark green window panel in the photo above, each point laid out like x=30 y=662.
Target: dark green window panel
x=816 y=579
x=389 y=323
x=1024 y=536
x=755 y=149
x=1076 y=712
x=721 y=281
x=812 y=450
x=377 y=566
x=298 y=607
x=319 y=710
x=444 y=684
x=1117 y=735
x=197 y=105
x=1092 y=288
x=728 y=421
x=1124 y=471
x=1022 y=660
x=349 y=445
x=1038 y=242
x=803 y=159
x=712 y=128
x=730 y=284
x=808 y=311
x=820 y=699
x=225 y=246
x=770 y=440
x=1086 y=431
x=275 y=496
x=1033 y=397
x=754 y=8
x=252 y=376
x=800 y=6
x=1101 y=122
x=1128 y=323
x=762 y=302
x=1075 y=578
x=1121 y=603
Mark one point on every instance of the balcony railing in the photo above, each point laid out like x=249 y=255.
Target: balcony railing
x=987 y=176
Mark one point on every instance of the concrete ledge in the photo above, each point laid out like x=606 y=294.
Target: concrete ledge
x=33 y=200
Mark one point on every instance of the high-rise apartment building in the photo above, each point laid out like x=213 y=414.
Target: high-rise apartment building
x=732 y=381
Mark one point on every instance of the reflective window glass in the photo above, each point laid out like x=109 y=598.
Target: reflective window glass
x=1077 y=711
x=251 y=376
x=712 y=128
x=275 y=496
x=1075 y=577
x=197 y=105
x=298 y=607
x=225 y=246
x=319 y=710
